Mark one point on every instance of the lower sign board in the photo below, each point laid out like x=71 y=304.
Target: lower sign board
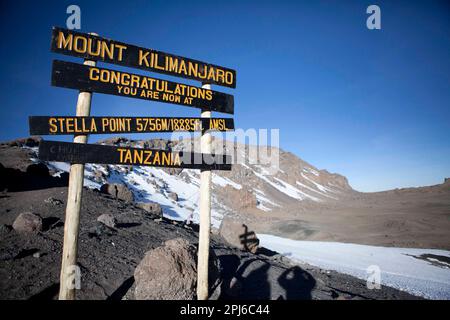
x=94 y=153
x=99 y=125
x=121 y=83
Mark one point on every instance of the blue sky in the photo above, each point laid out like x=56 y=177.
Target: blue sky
x=373 y=105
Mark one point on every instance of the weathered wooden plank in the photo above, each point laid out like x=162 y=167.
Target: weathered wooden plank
x=63 y=125
x=92 y=47
x=121 y=83
x=93 y=153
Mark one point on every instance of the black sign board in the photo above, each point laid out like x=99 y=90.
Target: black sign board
x=95 y=79
x=57 y=125
x=94 y=153
x=92 y=47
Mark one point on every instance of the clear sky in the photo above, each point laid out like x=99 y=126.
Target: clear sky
x=373 y=105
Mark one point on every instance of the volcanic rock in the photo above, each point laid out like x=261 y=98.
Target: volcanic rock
x=108 y=220
x=119 y=191
x=27 y=222
x=170 y=272
x=237 y=234
x=151 y=207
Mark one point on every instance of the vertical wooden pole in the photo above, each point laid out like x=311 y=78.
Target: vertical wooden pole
x=72 y=219
x=205 y=215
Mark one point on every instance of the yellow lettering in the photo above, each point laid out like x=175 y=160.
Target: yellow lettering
x=121 y=151
x=76 y=45
x=64 y=42
x=143 y=58
x=107 y=50
x=53 y=127
x=147 y=159
x=128 y=156
x=138 y=156
x=93 y=126
x=91 y=74
x=121 y=48
x=176 y=161
x=156 y=159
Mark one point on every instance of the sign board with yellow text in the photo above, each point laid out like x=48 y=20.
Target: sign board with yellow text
x=96 y=48
x=58 y=125
x=94 y=153
x=121 y=83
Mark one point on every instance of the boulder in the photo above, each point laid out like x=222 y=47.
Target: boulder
x=28 y=222
x=241 y=198
x=108 y=220
x=100 y=230
x=151 y=207
x=173 y=196
x=118 y=190
x=169 y=272
x=237 y=234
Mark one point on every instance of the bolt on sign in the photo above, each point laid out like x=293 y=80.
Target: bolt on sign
x=96 y=48
x=59 y=125
x=93 y=153
x=121 y=83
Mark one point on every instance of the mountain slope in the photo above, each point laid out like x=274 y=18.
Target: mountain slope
x=248 y=188
x=30 y=263
x=294 y=200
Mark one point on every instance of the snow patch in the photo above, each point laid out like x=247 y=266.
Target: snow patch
x=314 y=190
x=223 y=182
x=399 y=267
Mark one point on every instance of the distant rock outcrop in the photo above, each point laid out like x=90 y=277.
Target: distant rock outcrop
x=25 y=142
x=242 y=199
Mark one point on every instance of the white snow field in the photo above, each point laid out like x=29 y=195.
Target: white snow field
x=400 y=269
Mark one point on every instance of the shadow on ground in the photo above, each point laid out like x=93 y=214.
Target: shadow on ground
x=257 y=279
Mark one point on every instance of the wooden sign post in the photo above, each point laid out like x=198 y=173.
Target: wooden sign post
x=88 y=78
x=205 y=215
x=72 y=219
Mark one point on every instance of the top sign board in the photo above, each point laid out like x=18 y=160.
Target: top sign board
x=92 y=47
